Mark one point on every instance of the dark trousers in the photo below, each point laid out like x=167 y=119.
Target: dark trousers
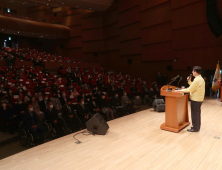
x=34 y=132
x=196 y=114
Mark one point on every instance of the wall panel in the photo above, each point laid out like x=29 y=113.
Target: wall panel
x=157 y=33
x=130 y=32
x=156 y=15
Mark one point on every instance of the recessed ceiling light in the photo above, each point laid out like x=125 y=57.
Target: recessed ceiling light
x=90 y=8
x=32 y=33
x=62 y=3
x=2 y=29
x=18 y=31
x=47 y=4
x=77 y=6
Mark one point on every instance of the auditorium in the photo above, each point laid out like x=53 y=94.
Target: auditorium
x=110 y=84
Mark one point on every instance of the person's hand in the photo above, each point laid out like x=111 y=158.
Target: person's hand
x=55 y=121
x=189 y=78
x=177 y=90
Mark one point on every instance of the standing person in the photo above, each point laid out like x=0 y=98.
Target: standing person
x=220 y=83
x=197 y=92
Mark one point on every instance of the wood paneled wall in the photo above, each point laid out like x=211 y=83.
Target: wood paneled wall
x=149 y=33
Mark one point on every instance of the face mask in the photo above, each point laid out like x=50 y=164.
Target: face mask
x=4 y=105
x=51 y=106
x=31 y=109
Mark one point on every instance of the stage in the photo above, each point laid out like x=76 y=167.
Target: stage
x=132 y=142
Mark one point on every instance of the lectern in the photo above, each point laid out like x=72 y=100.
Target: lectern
x=176 y=108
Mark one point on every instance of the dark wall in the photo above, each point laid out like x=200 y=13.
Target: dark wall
x=149 y=33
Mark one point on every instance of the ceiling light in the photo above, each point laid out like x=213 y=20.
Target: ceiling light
x=77 y=6
x=62 y=3
x=18 y=31
x=47 y=4
x=2 y=29
x=90 y=8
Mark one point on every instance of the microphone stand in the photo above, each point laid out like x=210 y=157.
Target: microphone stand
x=169 y=90
x=178 y=83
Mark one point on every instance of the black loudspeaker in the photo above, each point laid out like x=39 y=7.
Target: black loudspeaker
x=97 y=125
x=213 y=18
x=129 y=61
x=159 y=105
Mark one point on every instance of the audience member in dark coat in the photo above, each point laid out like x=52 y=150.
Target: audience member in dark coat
x=128 y=104
x=63 y=99
x=83 y=111
x=94 y=106
x=117 y=105
x=18 y=109
x=104 y=107
x=71 y=117
x=31 y=123
x=51 y=115
x=43 y=103
x=6 y=115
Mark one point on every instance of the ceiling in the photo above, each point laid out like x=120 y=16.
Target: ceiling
x=95 y=5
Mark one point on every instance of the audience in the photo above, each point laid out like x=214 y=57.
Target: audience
x=32 y=93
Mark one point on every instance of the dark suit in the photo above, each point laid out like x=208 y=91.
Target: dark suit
x=63 y=100
x=29 y=121
x=6 y=116
x=117 y=105
x=51 y=115
x=83 y=111
x=43 y=105
x=92 y=106
x=75 y=121
x=104 y=107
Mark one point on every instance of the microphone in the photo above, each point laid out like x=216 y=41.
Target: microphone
x=173 y=79
x=191 y=75
x=181 y=78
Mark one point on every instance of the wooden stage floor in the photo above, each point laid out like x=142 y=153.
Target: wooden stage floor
x=132 y=142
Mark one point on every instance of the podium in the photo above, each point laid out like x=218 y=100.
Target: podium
x=176 y=108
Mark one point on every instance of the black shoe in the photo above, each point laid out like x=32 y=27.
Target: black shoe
x=192 y=130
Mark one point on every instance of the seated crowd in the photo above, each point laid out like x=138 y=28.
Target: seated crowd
x=12 y=54
x=34 y=95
